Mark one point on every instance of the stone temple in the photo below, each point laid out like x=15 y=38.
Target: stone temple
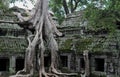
x=104 y=49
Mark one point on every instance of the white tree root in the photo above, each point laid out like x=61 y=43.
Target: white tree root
x=45 y=28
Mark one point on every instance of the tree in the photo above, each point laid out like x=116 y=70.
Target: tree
x=63 y=7
x=103 y=14
x=40 y=20
x=3 y=5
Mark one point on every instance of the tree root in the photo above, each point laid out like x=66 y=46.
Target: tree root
x=54 y=73
x=63 y=74
x=43 y=73
x=21 y=71
x=20 y=75
x=45 y=29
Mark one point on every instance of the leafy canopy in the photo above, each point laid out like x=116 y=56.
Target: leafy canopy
x=104 y=16
x=99 y=13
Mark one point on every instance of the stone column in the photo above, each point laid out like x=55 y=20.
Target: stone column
x=77 y=63
x=69 y=58
x=92 y=63
x=12 y=64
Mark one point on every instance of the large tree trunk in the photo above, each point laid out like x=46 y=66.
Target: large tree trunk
x=45 y=29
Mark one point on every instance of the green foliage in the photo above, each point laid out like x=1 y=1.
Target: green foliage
x=97 y=48
x=99 y=13
x=56 y=7
x=4 y=5
x=103 y=18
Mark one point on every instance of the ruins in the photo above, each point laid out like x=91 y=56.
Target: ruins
x=103 y=49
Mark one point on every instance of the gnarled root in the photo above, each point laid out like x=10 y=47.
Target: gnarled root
x=21 y=72
x=55 y=71
x=21 y=75
x=45 y=29
x=43 y=73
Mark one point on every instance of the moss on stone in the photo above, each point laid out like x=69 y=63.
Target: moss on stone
x=9 y=44
x=66 y=44
x=97 y=48
x=83 y=44
x=77 y=36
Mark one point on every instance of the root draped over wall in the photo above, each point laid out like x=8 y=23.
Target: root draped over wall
x=40 y=20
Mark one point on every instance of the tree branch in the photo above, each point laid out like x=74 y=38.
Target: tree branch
x=71 y=3
x=65 y=7
x=76 y=4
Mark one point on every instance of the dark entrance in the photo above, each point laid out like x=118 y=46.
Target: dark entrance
x=99 y=64
x=64 y=61
x=82 y=63
x=47 y=61
x=4 y=64
x=19 y=64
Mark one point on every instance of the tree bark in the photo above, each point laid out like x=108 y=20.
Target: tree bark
x=86 y=60
x=45 y=28
x=65 y=7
